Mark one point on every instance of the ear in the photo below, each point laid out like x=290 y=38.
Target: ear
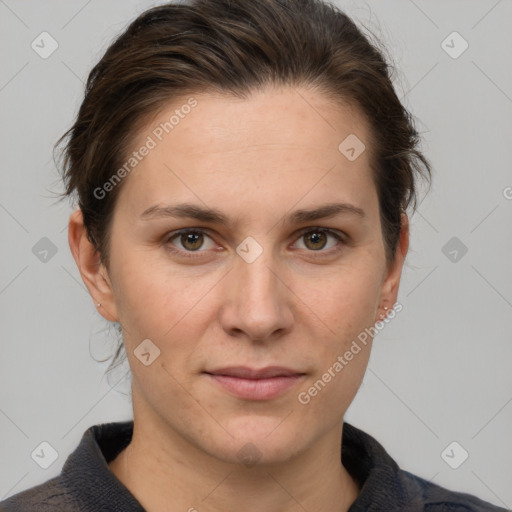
x=390 y=285
x=94 y=274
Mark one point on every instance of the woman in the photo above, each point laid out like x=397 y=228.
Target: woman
x=243 y=171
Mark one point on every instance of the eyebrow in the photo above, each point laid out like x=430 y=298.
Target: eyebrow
x=212 y=215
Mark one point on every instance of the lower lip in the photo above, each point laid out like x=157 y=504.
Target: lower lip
x=256 y=389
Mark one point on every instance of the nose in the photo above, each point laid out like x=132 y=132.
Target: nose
x=257 y=305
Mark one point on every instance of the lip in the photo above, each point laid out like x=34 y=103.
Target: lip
x=256 y=384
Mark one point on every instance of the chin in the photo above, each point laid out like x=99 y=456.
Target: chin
x=261 y=440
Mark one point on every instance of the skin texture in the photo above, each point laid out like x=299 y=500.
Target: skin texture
x=300 y=304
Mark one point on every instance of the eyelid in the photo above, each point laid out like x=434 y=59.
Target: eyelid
x=335 y=232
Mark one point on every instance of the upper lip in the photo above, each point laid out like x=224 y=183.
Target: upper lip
x=244 y=372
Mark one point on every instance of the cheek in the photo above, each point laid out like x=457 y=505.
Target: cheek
x=346 y=299
x=161 y=388
x=346 y=307
x=148 y=296
x=156 y=302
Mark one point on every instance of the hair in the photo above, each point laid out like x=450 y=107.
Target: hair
x=236 y=47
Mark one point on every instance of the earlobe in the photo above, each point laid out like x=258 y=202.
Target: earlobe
x=92 y=271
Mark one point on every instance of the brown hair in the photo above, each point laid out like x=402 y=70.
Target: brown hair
x=236 y=46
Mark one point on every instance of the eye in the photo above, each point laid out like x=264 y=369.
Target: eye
x=186 y=242
x=191 y=240
x=316 y=239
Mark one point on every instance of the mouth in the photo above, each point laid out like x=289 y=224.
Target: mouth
x=255 y=384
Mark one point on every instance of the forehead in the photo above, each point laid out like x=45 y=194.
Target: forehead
x=279 y=143
x=276 y=115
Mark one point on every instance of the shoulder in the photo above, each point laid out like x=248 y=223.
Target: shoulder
x=85 y=481
x=49 y=496
x=435 y=498
x=387 y=487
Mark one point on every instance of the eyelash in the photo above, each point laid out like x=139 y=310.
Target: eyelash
x=197 y=254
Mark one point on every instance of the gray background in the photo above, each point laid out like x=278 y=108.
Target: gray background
x=439 y=372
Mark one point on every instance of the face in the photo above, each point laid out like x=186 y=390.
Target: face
x=258 y=288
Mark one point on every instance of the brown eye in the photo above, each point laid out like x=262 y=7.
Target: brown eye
x=191 y=241
x=315 y=240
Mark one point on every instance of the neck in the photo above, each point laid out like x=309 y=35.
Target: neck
x=166 y=473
